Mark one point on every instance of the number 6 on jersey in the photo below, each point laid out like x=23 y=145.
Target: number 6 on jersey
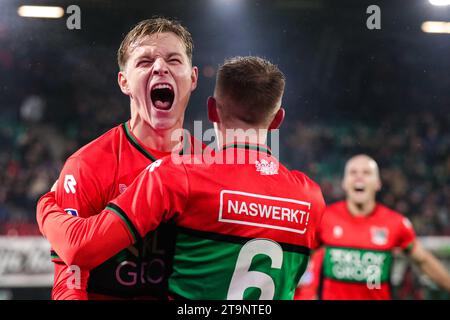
x=243 y=278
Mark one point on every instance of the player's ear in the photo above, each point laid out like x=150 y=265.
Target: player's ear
x=213 y=115
x=379 y=185
x=278 y=119
x=123 y=83
x=343 y=183
x=194 y=78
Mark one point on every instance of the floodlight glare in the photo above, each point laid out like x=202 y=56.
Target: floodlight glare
x=40 y=12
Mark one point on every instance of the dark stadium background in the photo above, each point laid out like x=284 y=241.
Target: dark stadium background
x=349 y=89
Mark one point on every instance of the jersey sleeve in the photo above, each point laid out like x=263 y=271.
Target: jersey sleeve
x=69 y=284
x=76 y=194
x=320 y=206
x=83 y=242
x=79 y=191
x=157 y=195
x=406 y=235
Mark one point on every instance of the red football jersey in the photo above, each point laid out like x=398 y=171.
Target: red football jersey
x=91 y=177
x=358 y=257
x=244 y=230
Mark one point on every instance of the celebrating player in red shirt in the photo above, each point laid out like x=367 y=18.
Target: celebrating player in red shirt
x=156 y=72
x=245 y=223
x=358 y=237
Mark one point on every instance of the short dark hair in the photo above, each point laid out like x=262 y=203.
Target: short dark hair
x=251 y=87
x=149 y=27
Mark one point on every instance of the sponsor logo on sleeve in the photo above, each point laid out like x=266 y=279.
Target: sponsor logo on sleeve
x=71 y=211
x=69 y=183
x=264 y=211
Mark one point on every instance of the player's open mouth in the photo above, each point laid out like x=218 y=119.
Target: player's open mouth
x=162 y=95
x=359 y=189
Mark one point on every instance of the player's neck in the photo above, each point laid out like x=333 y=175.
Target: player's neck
x=360 y=209
x=242 y=136
x=160 y=140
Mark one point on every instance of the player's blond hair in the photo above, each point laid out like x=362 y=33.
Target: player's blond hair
x=149 y=27
x=252 y=88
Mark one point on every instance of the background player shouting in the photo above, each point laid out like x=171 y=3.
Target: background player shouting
x=156 y=72
x=244 y=229
x=358 y=236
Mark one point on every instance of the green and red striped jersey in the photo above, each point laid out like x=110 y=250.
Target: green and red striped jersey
x=244 y=231
x=358 y=252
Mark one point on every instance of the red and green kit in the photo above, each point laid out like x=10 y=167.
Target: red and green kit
x=244 y=231
x=358 y=251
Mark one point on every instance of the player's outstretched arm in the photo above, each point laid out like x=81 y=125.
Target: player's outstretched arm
x=78 y=193
x=87 y=242
x=430 y=265
x=84 y=242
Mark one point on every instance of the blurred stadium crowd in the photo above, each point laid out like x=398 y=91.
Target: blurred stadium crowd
x=412 y=152
x=53 y=102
